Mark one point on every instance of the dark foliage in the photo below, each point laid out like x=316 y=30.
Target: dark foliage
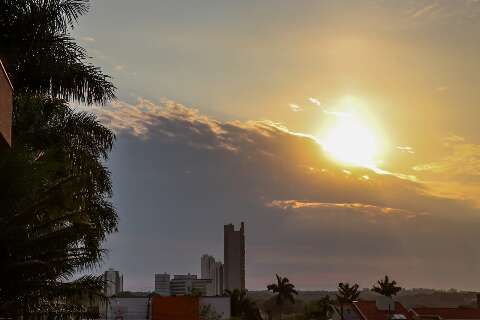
x=386 y=287
x=41 y=56
x=54 y=195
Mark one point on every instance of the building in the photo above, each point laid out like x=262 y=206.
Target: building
x=459 y=313
x=382 y=308
x=188 y=284
x=211 y=269
x=162 y=284
x=187 y=307
x=127 y=308
x=6 y=106
x=234 y=257
x=114 y=282
x=219 y=278
x=175 y=308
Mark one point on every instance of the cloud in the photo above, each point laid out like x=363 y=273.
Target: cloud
x=406 y=149
x=457 y=174
x=424 y=11
x=441 y=9
x=315 y=101
x=178 y=172
x=295 y=107
x=463 y=159
x=368 y=209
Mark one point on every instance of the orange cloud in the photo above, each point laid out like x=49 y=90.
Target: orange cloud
x=368 y=209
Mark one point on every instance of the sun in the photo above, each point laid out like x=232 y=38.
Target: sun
x=351 y=141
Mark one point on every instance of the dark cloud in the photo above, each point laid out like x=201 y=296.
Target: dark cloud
x=179 y=176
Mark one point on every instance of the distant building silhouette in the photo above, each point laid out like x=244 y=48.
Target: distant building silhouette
x=234 y=257
x=114 y=282
x=211 y=269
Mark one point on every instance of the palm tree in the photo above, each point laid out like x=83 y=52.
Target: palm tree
x=285 y=291
x=54 y=188
x=54 y=191
x=41 y=56
x=386 y=287
x=346 y=294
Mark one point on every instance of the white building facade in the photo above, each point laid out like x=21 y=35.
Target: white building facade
x=211 y=269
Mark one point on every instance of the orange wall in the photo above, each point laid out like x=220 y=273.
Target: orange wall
x=5 y=107
x=175 y=308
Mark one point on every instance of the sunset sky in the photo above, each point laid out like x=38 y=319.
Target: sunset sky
x=344 y=133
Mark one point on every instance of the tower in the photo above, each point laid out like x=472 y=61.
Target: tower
x=234 y=257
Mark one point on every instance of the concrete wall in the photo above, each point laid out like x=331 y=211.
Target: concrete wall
x=6 y=100
x=221 y=305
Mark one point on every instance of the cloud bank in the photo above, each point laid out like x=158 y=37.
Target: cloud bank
x=180 y=175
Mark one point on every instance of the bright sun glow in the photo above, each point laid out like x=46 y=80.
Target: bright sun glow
x=352 y=141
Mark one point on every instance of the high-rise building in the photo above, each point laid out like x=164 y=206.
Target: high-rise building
x=162 y=284
x=208 y=272
x=113 y=282
x=218 y=281
x=211 y=269
x=234 y=257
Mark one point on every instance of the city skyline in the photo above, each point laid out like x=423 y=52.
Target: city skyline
x=343 y=133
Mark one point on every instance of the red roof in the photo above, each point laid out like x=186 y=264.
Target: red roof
x=369 y=311
x=449 y=313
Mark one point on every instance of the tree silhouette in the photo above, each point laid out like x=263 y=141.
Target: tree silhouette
x=241 y=306
x=54 y=191
x=346 y=294
x=41 y=56
x=386 y=287
x=319 y=309
x=54 y=188
x=284 y=290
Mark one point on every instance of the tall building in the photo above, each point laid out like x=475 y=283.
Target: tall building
x=162 y=284
x=218 y=281
x=234 y=257
x=208 y=272
x=114 y=282
x=211 y=269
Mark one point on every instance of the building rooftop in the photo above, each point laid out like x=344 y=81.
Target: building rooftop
x=447 y=313
x=368 y=310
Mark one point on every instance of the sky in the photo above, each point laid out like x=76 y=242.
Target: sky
x=344 y=133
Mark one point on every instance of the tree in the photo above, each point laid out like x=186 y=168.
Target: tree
x=54 y=191
x=319 y=309
x=346 y=294
x=284 y=290
x=241 y=306
x=386 y=287
x=208 y=313
x=41 y=56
